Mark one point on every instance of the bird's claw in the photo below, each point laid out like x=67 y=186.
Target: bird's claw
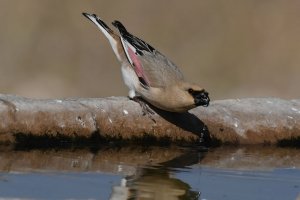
x=145 y=107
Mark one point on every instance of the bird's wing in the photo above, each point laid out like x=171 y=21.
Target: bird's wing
x=152 y=67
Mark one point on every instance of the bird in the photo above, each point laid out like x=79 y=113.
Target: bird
x=149 y=75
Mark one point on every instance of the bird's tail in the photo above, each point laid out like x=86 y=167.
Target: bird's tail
x=120 y=27
x=108 y=32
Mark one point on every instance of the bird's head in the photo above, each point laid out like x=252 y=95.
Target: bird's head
x=190 y=95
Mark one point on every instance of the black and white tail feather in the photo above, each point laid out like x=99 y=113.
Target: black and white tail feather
x=128 y=40
x=135 y=42
x=105 y=30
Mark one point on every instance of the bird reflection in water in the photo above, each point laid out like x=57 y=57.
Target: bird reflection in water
x=158 y=182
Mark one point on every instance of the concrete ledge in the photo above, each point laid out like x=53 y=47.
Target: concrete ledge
x=234 y=121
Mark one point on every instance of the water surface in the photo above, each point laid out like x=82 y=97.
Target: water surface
x=150 y=173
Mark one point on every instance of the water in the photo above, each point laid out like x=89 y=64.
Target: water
x=151 y=173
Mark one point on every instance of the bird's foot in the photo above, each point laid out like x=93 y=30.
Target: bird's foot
x=145 y=107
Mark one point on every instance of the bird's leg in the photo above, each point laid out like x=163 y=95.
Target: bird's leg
x=145 y=107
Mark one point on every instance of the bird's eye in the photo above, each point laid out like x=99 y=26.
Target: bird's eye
x=190 y=91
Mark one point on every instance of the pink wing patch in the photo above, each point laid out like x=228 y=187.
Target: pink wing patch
x=137 y=66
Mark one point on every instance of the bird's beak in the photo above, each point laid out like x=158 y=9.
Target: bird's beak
x=202 y=99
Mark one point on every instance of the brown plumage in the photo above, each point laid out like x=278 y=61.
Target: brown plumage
x=149 y=74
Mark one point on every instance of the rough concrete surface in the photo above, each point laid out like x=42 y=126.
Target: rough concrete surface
x=235 y=121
